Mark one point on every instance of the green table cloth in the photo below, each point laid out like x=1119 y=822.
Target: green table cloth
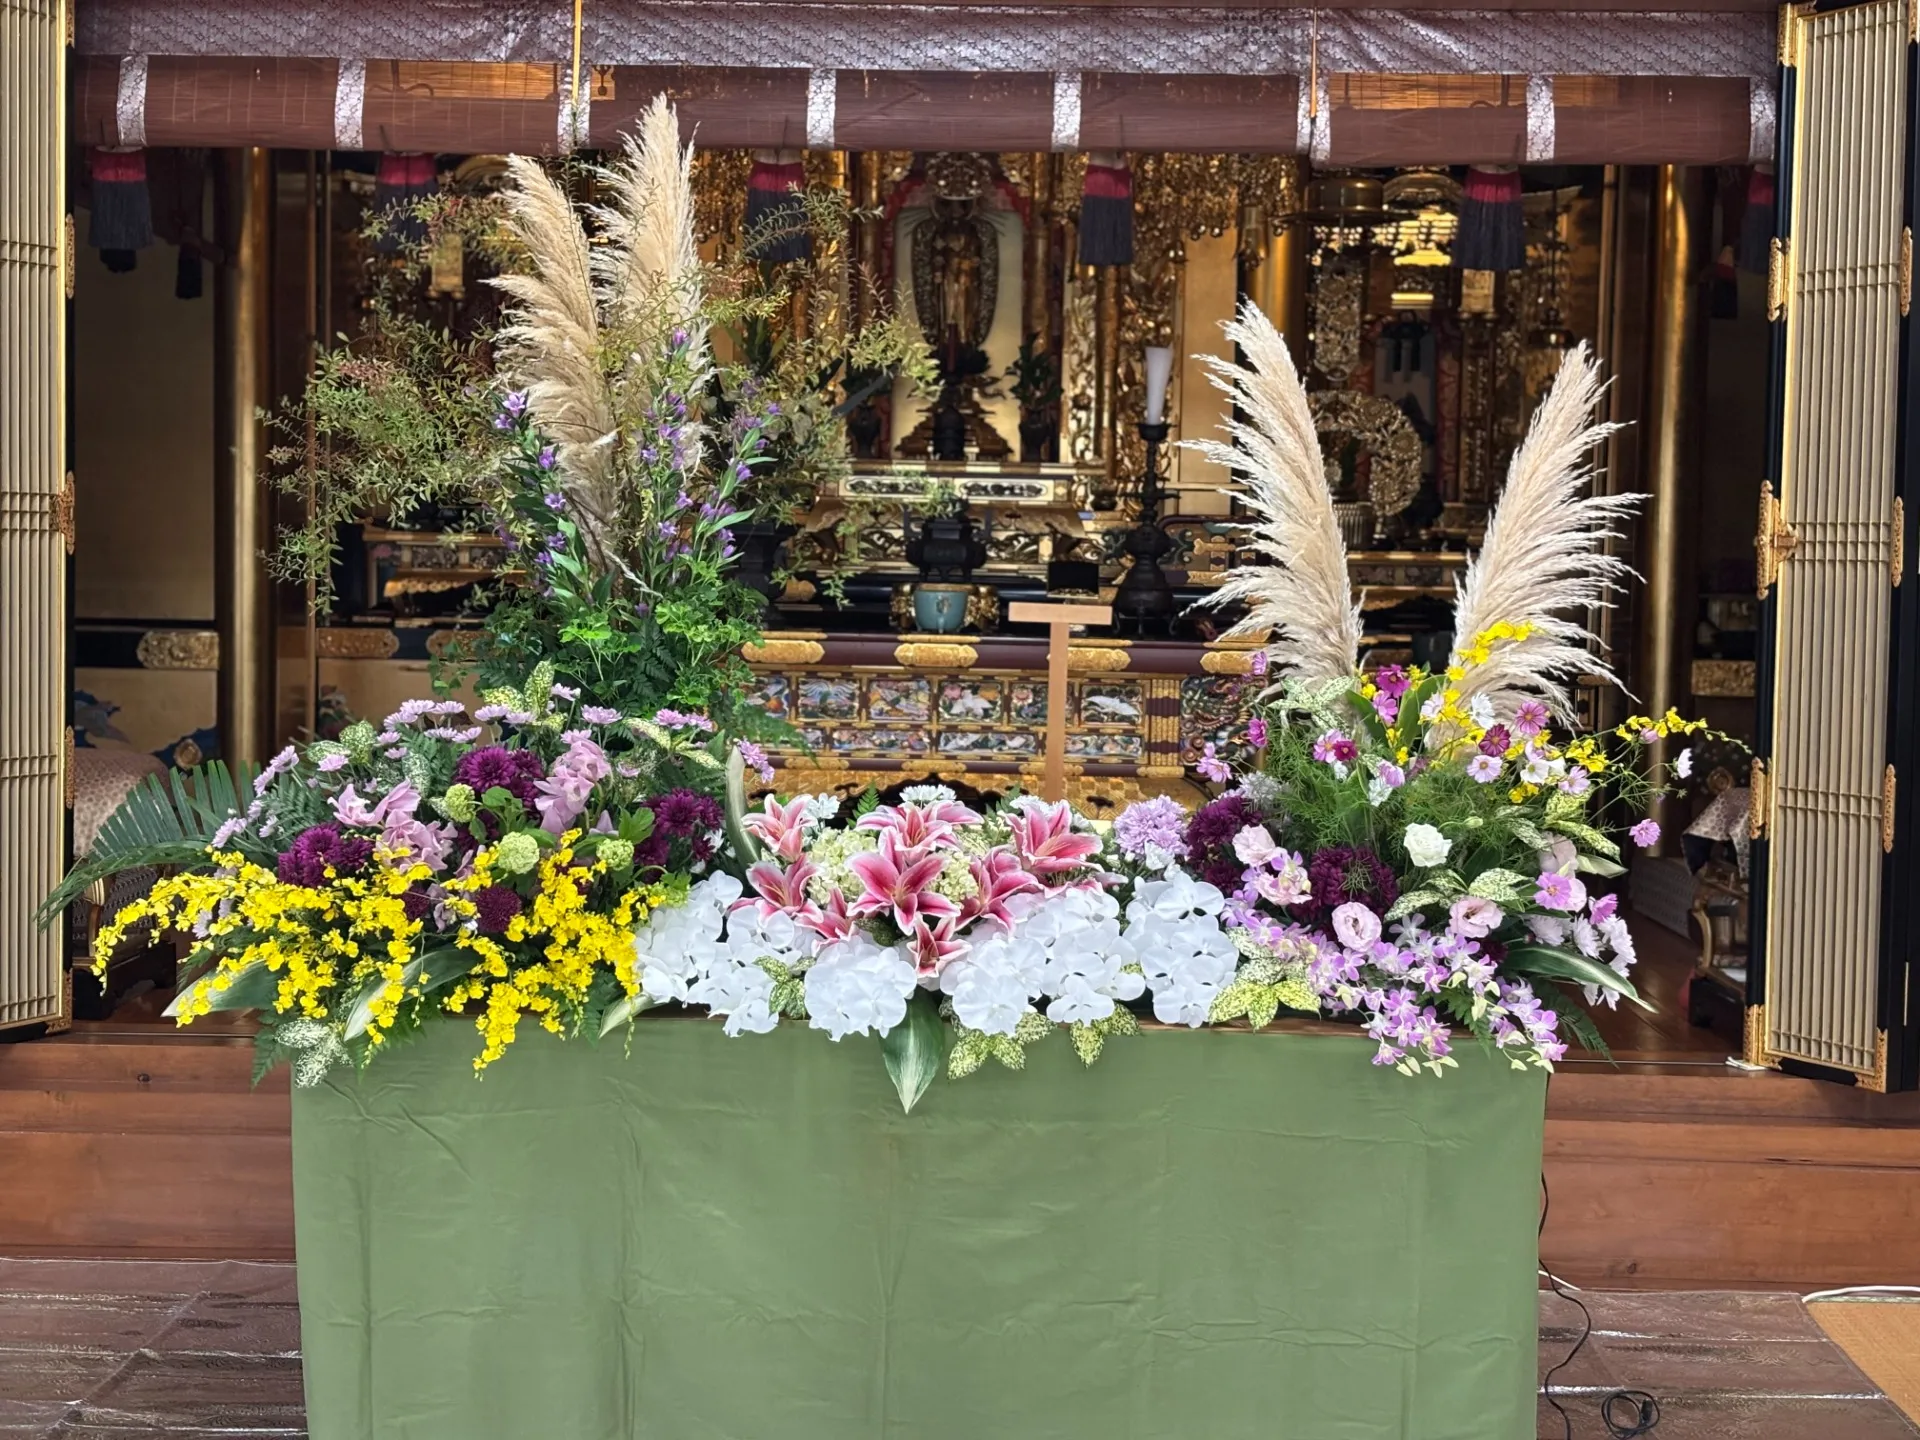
x=1205 y=1236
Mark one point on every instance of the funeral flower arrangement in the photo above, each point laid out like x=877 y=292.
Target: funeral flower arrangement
x=494 y=865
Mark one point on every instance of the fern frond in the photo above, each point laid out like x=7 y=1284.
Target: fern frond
x=1302 y=593
x=165 y=820
x=1544 y=563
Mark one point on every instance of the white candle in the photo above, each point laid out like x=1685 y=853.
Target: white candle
x=1159 y=372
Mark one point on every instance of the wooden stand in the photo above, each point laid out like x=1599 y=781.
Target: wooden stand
x=1059 y=620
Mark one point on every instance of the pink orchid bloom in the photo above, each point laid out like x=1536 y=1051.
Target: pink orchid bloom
x=898 y=881
x=781 y=828
x=935 y=945
x=1046 y=841
x=782 y=889
x=997 y=877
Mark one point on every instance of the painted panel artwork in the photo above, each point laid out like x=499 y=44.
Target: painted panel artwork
x=989 y=742
x=1027 y=701
x=969 y=701
x=900 y=698
x=1111 y=702
x=829 y=697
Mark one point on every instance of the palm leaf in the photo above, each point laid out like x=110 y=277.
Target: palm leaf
x=165 y=820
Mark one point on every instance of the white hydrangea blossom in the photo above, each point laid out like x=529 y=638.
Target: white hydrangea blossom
x=858 y=987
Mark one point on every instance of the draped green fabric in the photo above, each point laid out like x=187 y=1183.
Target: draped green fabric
x=1207 y=1235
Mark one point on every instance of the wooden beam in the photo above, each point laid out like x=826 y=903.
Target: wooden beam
x=1059 y=620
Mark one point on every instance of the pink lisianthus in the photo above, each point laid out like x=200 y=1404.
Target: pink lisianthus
x=397 y=804
x=563 y=795
x=997 y=878
x=895 y=881
x=1355 y=926
x=1045 y=840
x=1254 y=845
x=1646 y=834
x=781 y=828
x=1473 y=918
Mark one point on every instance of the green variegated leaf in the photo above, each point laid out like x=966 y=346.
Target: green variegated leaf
x=1009 y=1051
x=1087 y=1041
x=1412 y=901
x=1527 y=833
x=970 y=1050
x=1594 y=865
x=1503 y=887
x=1587 y=836
x=1263 y=1007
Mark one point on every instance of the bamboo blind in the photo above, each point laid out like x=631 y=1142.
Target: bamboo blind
x=1834 y=612
x=33 y=556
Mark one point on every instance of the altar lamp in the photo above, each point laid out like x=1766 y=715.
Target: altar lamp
x=1145 y=594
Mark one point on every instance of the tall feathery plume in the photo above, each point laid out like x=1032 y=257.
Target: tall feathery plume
x=648 y=267
x=550 y=346
x=1544 y=560
x=1303 y=594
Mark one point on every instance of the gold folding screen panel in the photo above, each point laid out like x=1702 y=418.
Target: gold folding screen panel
x=1829 y=543
x=35 y=504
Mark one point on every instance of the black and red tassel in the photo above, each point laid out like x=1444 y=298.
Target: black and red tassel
x=776 y=220
x=121 y=220
x=399 y=181
x=1106 y=211
x=1493 y=228
x=1756 y=225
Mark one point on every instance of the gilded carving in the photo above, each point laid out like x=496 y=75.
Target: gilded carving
x=1227 y=662
x=935 y=655
x=1101 y=658
x=1731 y=678
x=784 y=652
x=179 y=650
x=340 y=642
x=63 y=512
x=1383 y=431
x=449 y=644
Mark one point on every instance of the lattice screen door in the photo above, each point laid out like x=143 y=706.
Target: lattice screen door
x=35 y=504
x=1831 y=881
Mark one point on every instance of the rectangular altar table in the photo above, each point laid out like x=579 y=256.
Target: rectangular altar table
x=1207 y=1235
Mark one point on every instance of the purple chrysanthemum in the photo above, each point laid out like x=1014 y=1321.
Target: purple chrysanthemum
x=1344 y=873
x=1210 y=839
x=515 y=771
x=496 y=907
x=306 y=861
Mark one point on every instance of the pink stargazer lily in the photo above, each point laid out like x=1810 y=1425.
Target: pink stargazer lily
x=781 y=828
x=920 y=827
x=1046 y=841
x=998 y=876
x=898 y=881
x=782 y=889
x=830 y=921
x=935 y=945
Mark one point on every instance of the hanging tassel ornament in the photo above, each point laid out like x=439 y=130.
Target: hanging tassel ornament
x=1756 y=225
x=776 y=222
x=400 y=180
x=122 y=215
x=1493 y=230
x=1106 y=211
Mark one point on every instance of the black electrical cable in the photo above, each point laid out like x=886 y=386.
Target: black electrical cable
x=1643 y=1409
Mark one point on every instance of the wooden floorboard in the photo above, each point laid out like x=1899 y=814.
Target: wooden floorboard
x=1663 y=1175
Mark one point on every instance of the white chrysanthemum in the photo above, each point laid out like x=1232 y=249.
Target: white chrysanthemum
x=991 y=985
x=926 y=794
x=858 y=987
